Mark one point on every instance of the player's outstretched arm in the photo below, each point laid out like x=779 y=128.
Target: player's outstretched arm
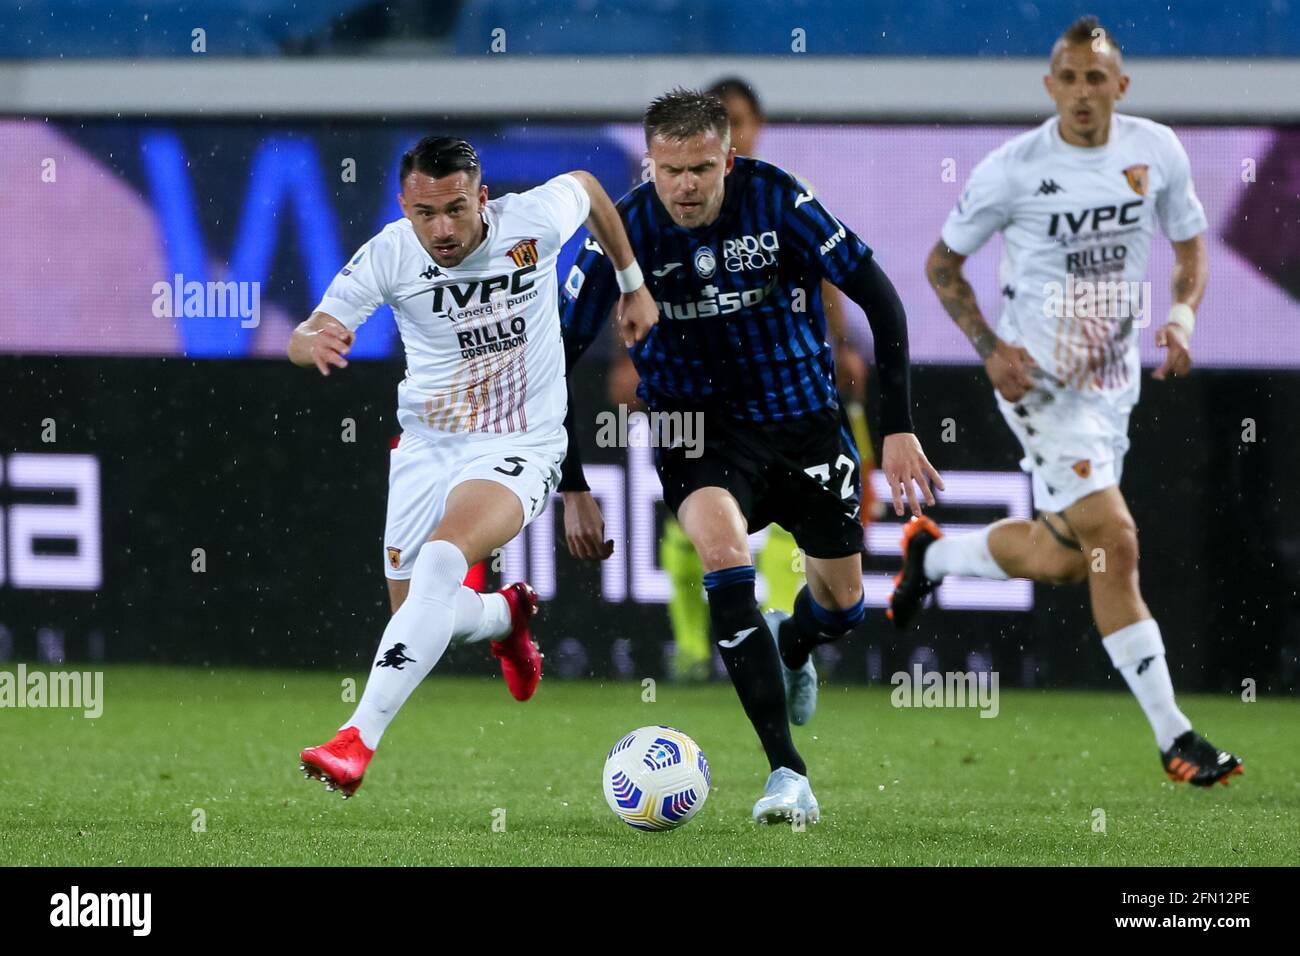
x=902 y=460
x=1010 y=367
x=321 y=341
x=584 y=525
x=1191 y=271
x=637 y=313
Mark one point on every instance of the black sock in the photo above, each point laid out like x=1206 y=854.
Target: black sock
x=811 y=624
x=752 y=660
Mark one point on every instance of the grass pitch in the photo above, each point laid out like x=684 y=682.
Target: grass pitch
x=199 y=767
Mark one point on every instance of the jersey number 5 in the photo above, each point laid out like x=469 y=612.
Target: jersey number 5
x=514 y=472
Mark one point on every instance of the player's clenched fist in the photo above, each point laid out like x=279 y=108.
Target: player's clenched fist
x=908 y=471
x=584 y=527
x=1010 y=370
x=321 y=341
x=637 y=315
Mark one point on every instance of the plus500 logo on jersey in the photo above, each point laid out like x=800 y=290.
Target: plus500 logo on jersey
x=720 y=304
x=750 y=252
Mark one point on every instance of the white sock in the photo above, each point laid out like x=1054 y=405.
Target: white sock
x=1138 y=653
x=480 y=617
x=965 y=554
x=416 y=636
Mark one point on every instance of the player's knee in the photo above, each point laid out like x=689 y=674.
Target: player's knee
x=833 y=620
x=1115 y=549
x=716 y=555
x=842 y=596
x=1064 y=566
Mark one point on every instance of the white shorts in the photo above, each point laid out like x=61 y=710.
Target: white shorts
x=1074 y=442
x=425 y=466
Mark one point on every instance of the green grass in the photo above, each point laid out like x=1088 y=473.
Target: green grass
x=896 y=786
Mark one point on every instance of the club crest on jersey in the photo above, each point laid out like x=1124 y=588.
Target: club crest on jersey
x=1082 y=468
x=524 y=252
x=1137 y=178
x=705 y=262
x=395 y=558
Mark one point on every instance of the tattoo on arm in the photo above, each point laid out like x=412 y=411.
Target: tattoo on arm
x=958 y=299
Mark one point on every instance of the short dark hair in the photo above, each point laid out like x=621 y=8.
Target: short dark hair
x=1084 y=29
x=439 y=156
x=681 y=114
x=735 y=86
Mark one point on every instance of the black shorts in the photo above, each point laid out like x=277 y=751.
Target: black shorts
x=803 y=474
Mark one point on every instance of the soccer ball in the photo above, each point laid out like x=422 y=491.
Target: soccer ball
x=656 y=778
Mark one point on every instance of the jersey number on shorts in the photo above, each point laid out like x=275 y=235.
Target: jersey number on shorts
x=516 y=471
x=823 y=474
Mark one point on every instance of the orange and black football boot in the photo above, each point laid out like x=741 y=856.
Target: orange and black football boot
x=1193 y=759
x=911 y=586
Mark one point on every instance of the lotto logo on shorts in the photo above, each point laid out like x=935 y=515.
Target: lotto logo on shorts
x=395 y=558
x=1083 y=468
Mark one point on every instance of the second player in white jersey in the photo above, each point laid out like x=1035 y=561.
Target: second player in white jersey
x=482 y=339
x=1077 y=201
x=1076 y=226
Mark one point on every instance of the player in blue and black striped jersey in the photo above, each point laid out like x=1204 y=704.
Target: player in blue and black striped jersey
x=736 y=250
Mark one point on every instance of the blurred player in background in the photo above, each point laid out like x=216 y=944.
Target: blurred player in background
x=1076 y=201
x=777 y=562
x=736 y=251
x=473 y=288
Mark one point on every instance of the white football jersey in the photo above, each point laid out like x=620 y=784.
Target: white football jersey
x=482 y=340
x=1076 y=228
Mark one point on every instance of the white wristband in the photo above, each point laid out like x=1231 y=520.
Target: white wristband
x=629 y=279
x=1182 y=316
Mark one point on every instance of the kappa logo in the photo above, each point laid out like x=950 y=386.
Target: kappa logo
x=394 y=558
x=395 y=657
x=1137 y=178
x=1049 y=187
x=524 y=252
x=430 y=272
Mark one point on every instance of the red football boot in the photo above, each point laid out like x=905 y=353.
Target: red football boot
x=339 y=764
x=521 y=661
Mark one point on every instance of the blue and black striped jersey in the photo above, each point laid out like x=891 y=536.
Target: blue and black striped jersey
x=741 y=322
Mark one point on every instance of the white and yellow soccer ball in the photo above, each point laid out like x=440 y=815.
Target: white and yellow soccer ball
x=656 y=778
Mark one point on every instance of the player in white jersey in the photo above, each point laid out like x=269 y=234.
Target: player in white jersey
x=472 y=284
x=1077 y=201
